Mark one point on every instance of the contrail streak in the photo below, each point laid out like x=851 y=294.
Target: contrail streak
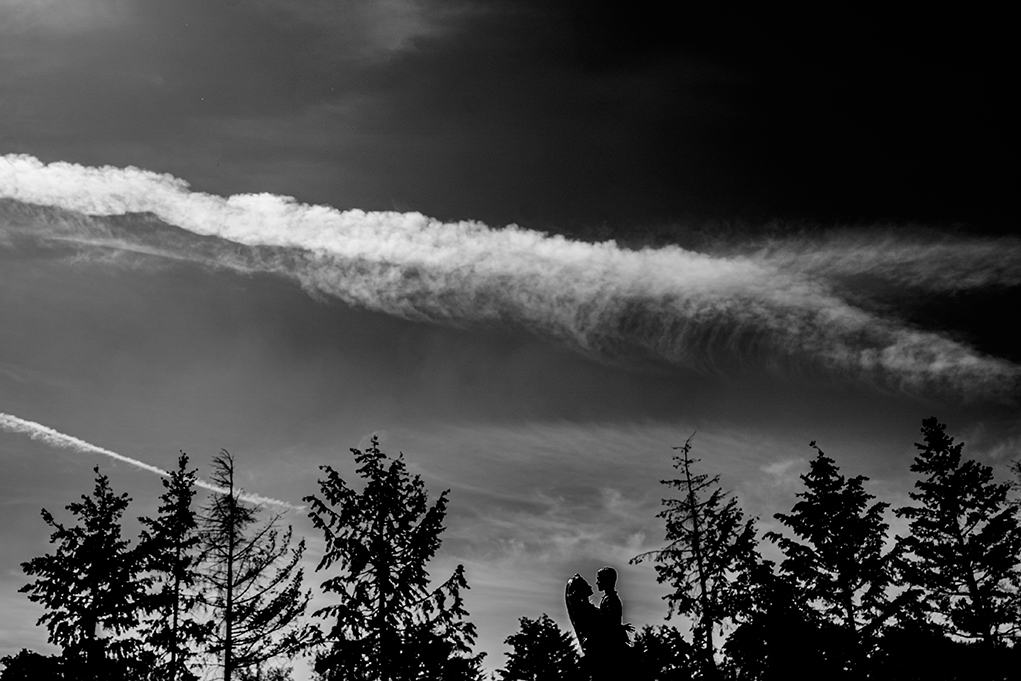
x=54 y=438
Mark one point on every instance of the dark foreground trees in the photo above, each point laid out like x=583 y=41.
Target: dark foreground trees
x=252 y=582
x=386 y=623
x=851 y=601
x=838 y=561
x=662 y=654
x=712 y=547
x=28 y=665
x=541 y=651
x=963 y=555
x=944 y=605
x=186 y=593
x=90 y=586
x=168 y=550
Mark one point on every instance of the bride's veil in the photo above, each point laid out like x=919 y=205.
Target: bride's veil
x=579 y=609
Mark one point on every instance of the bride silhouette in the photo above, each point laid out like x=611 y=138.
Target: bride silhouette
x=584 y=616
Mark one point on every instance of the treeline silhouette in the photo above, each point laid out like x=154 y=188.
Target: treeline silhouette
x=212 y=592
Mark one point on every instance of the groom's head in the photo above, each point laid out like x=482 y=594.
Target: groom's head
x=606 y=579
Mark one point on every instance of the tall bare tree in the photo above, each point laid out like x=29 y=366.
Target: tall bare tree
x=253 y=584
x=711 y=544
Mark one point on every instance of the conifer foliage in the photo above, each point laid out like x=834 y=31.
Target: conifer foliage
x=711 y=546
x=837 y=559
x=387 y=624
x=964 y=548
x=221 y=589
x=169 y=550
x=90 y=586
x=541 y=651
x=662 y=654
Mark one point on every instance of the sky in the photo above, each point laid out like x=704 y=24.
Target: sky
x=533 y=246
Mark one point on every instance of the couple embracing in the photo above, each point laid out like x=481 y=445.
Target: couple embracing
x=601 y=633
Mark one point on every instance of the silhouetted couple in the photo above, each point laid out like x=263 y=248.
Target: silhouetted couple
x=600 y=630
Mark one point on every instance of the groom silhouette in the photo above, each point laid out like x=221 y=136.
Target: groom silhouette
x=612 y=663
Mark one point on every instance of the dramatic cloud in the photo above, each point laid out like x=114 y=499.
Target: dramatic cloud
x=53 y=438
x=785 y=307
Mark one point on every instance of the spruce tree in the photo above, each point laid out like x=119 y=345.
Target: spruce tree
x=711 y=545
x=386 y=622
x=837 y=561
x=964 y=550
x=90 y=586
x=169 y=550
x=252 y=582
x=541 y=651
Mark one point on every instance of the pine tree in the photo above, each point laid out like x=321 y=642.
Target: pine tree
x=252 y=582
x=169 y=548
x=711 y=545
x=837 y=561
x=90 y=586
x=964 y=550
x=541 y=651
x=387 y=623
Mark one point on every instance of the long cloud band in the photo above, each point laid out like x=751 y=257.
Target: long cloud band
x=777 y=308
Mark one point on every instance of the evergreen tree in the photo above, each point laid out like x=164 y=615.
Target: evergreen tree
x=541 y=651
x=779 y=636
x=711 y=545
x=964 y=550
x=90 y=586
x=661 y=654
x=837 y=562
x=169 y=548
x=252 y=580
x=387 y=624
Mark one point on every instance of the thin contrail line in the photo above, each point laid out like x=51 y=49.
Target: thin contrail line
x=54 y=438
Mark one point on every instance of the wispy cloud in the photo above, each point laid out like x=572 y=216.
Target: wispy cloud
x=569 y=490
x=916 y=259
x=54 y=438
x=781 y=308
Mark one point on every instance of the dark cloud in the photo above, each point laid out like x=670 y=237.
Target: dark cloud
x=548 y=114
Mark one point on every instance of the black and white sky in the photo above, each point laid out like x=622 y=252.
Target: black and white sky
x=532 y=245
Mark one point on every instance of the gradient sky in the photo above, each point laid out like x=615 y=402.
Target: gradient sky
x=760 y=230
